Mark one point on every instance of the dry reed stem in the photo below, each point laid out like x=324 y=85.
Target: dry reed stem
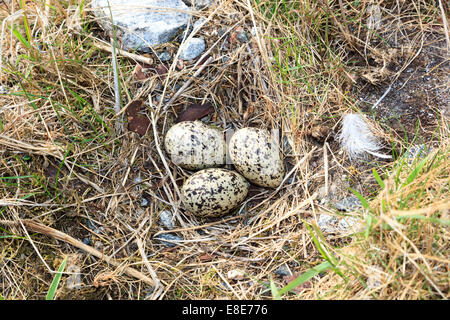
x=53 y=233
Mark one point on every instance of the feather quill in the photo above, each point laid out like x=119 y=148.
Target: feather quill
x=357 y=138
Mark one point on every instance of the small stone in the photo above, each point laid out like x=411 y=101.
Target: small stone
x=192 y=48
x=177 y=86
x=164 y=56
x=327 y=223
x=166 y=219
x=198 y=23
x=170 y=237
x=282 y=271
x=235 y=274
x=418 y=152
x=375 y=277
x=74 y=280
x=87 y=241
x=375 y=17
x=348 y=204
x=180 y=64
x=199 y=4
x=335 y=225
x=3 y=90
x=242 y=35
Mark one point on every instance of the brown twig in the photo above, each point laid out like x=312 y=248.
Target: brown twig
x=188 y=83
x=40 y=228
x=136 y=57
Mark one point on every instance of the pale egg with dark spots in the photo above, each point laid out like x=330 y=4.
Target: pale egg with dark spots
x=256 y=155
x=213 y=192
x=194 y=145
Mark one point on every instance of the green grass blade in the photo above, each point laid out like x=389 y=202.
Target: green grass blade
x=377 y=177
x=20 y=37
x=56 y=279
x=25 y=22
x=306 y=276
x=415 y=172
x=420 y=217
x=275 y=293
x=363 y=200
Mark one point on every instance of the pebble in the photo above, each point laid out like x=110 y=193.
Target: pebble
x=164 y=56
x=198 y=23
x=192 y=48
x=348 y=204
x=282 y=271
x=74 y=280
x=3 y=90
x=166 y=219
x=87 y=241
x=235 y=274
x=242 y=37
x=199 y=4
x=332 y=224
x=418 y=152
x=167 y=236
x=93 y=227
x=144 y=202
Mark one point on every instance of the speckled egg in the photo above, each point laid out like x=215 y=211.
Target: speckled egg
x=193 y=145
x=213 y=192
x=256 y=155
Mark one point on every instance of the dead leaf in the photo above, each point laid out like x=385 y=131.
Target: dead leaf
x=142 y=71
x=299 y=288
x=162 y=70
x=206 y=257
x=195 y=112
x=235 y=274
x=134 y=107
x=139 y=124
x=180 y=64
x=103 y=279
x=233 y=38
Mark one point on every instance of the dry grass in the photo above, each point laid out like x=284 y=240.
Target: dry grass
x=64 y=166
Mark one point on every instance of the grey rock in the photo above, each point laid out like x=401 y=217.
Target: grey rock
x=336 y=225
x=170 y=237
x=418 y=152
x=242 y=37
x=144 y=202
x=327 y=223
x=348 y=204
x=87 y=241
x=166 y=219
x=199 y=4
x=282 y=271
x=74 y=279
x=192 y=48
x=3 y=90
x=138 y=25
x=198 y=23
x=192 y=27
x=164 y=56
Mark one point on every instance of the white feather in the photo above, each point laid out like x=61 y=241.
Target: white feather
x=357 y=139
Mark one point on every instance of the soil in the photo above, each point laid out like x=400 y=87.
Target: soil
x=417 y=98
x=406 y=92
